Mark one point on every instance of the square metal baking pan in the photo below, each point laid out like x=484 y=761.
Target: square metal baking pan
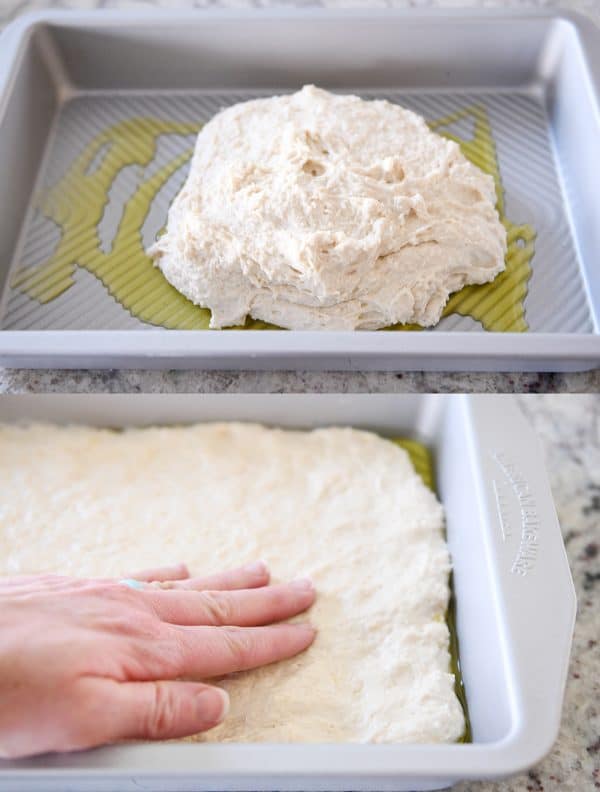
x=527 y=82
x=515 y=602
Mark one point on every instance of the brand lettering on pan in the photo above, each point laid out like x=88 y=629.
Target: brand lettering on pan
x=502 y=505
x=527 y=551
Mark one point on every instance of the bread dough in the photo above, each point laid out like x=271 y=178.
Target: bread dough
x=322 y=211
x=344 y=507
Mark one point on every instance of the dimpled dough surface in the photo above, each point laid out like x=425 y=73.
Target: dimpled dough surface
x=342 y=506
x=322 y=211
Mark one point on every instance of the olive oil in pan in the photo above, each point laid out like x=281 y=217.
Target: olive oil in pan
x=77 y=202
x=497 y=305
x=422 y=461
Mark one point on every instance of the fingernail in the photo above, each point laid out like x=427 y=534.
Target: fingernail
x=207 y=702
x=256 y=568
x=225 y=697
x=303 y=584
x=307 y=627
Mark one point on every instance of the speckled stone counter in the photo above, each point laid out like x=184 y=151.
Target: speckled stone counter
x=143 y=381
x=569 y=430
x=16 y=381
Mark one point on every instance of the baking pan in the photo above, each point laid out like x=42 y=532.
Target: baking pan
x=514 y=596
x=98 y=116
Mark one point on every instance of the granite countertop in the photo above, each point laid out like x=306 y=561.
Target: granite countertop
x=569 y=430
x=17 y=381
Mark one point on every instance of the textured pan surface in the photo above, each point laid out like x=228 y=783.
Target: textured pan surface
x=50 y=297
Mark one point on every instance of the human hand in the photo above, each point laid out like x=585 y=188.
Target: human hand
x=87 y=662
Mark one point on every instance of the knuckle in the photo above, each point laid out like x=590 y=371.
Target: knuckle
x=113 y=589
x=145 y=625
x=128 y=624
x=121 y=596
x=240 y=645
x=141 y=660
x=162 y=713
x=133 y=623
x=124 y=624
x=218 y=608
x=106 y=592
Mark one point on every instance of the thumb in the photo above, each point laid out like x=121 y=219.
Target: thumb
x=162 y=710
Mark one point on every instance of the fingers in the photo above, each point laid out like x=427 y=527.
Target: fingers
x=176 y=572
x=244 y=608
x=246 y=577
x=215 y=651
x=160 y=710
x=249 y=576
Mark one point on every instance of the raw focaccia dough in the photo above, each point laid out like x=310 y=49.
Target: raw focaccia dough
x=342 y=506
x=319 y=211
